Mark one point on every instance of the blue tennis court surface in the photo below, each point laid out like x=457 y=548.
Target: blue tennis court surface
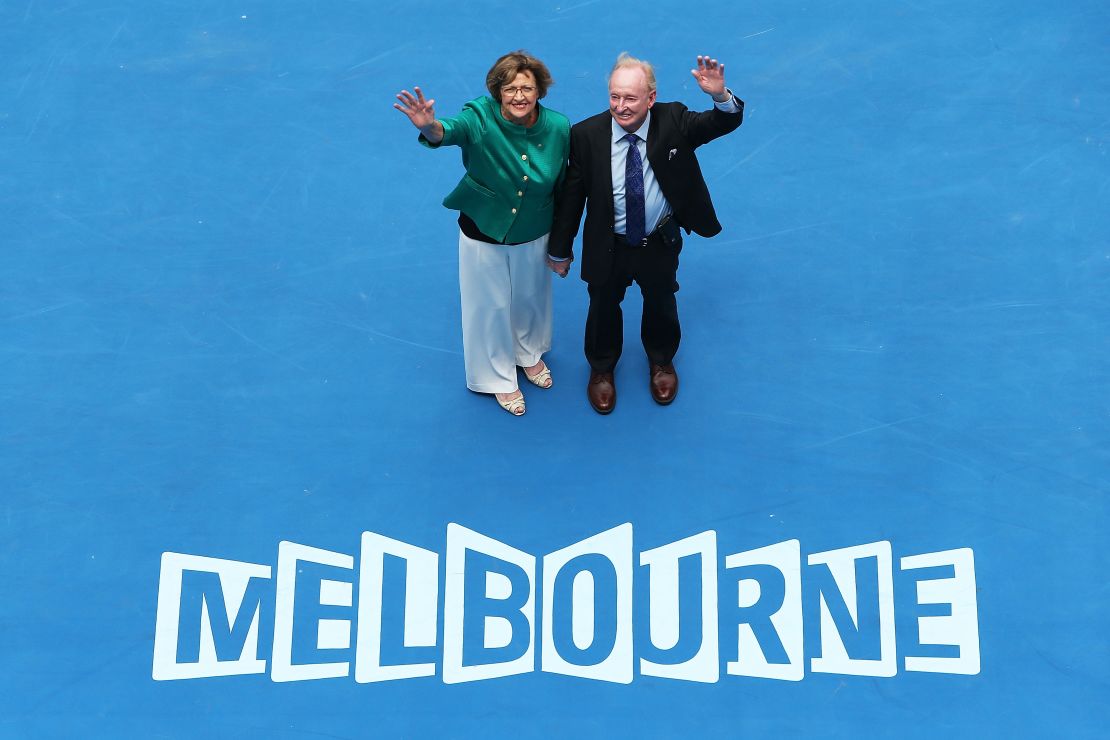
x=247 y=494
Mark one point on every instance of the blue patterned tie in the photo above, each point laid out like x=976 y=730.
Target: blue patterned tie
x=633 y=192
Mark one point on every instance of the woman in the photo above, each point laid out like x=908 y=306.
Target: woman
x=515 y=153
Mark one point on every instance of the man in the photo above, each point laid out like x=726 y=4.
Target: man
x=635 y=168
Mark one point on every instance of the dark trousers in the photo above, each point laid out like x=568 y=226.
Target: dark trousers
x=654 y=267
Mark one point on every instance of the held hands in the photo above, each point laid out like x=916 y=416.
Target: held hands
x=559 y=268
x=421 y=112
x=710 y=76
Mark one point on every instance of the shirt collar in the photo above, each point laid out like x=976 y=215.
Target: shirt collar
x=619 y=133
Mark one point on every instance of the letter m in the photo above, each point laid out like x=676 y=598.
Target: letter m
x=210 y=618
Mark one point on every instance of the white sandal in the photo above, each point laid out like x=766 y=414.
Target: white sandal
x=514 y=406
x=542 y=378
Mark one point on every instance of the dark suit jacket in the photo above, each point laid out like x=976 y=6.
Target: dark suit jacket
x=673 y=135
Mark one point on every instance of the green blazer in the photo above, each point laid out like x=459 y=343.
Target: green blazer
x=511 y=171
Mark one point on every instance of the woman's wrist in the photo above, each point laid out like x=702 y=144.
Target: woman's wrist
x=433 y=132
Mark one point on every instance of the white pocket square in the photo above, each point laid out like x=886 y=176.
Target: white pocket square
x=671 y=153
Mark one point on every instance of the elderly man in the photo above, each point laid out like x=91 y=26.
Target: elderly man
x=635 y=168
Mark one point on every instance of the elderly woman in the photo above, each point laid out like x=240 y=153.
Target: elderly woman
x=515 y=153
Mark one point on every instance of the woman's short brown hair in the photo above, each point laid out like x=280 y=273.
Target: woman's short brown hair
x=505 y=70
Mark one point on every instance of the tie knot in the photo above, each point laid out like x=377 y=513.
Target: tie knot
x=631 y=139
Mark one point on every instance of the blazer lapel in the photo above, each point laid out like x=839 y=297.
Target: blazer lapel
x=656 y=146
x=603 y=154
x=658 y=152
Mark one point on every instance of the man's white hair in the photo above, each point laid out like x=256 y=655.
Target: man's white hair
x=627 y=60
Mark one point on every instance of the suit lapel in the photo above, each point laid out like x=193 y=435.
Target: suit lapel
x=658 y=153
x=604 y=157
x=655 y=143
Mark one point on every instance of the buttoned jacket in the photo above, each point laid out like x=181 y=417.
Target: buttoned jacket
x=511 y=170
x=674 y=132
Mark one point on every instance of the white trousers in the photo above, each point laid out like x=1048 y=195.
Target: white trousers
x=506 y=310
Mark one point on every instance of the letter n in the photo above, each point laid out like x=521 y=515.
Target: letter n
x=856 y=586
x=209 y=617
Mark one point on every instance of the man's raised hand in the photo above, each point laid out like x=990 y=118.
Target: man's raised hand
x=710 y=75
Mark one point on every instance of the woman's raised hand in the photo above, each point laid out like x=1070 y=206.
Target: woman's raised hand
x=420 y=111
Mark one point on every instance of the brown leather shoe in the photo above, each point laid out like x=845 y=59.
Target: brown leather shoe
x=602 y=392
x=664 y=384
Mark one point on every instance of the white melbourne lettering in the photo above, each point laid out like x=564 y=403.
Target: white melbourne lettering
x=225 y=617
